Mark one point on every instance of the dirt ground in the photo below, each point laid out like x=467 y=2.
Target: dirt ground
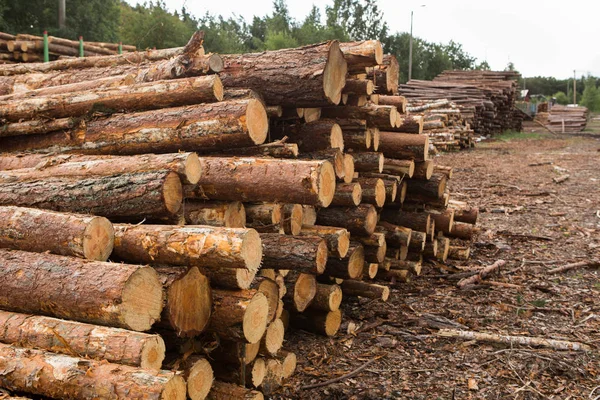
x=535 y=225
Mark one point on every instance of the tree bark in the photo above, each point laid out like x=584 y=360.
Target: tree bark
x=202 y=246
x=347 y=194
x=120 y=295
x=362 y=54
x=275 y=150
x=423 y=170
x=395 y=236
x=82 y=340
x=380 y=116
x=322 y=323
x=131 y=195
x=459 y=253
x=364 y=289
x=368 y=162
x=462 y=231
x=432 y=188
x=61 y=376
x=292 y=216
x=399 y=167
x=256 y=179
x=349 y=267
x=41 y=126
x=463 y=212
x=359 y=87
x=404 y=145
x=307 y=254
x=233 y=352
x=412 y=266
x=373 y=191
x=360 y=220
x=338 y=239
x=227 y=391
x=39 y=231
x=309 y=76
x=386 y=76
x=417 y=241
x=239 y=315
x=334 y=156
x=312 y=136
x=409 y=124
x=415 y=220
x=219 y=214
x=328 y=298
x=444 y=220
x=398 y=101
x=300 y=290
x=265 y=217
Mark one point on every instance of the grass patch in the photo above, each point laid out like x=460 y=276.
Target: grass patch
x=510 y=135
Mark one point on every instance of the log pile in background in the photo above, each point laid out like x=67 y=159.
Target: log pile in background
x=23 y=48
x=565 y=119
x=312 y=185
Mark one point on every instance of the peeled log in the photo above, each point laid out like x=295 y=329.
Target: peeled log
x=131 y=195
x=349 y=267
x=307 y=254
x=37 y=166
x=61 y=376
x=404 y=145
x=239 y=315
x=143 y=96
x=338 y=239
x=39 y=231
x=188 y=300
x=364 y=289
x=197 y=245
x=202 y=128
x=359 y=220
x=309 y=76
x=322 y=323
x=120 y=295
x=256 y=179
x=223 y=214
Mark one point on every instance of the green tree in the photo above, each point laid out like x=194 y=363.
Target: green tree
x=359 y=19
x=483 y=66
x=561 y=98
x=591 y=95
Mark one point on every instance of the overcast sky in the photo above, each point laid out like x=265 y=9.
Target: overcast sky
x=548 y=38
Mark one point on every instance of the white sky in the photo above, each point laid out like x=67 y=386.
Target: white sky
x=541 y=37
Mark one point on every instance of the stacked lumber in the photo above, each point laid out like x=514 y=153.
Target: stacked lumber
x=566 y=119
x=192 y=218
x=24 y=48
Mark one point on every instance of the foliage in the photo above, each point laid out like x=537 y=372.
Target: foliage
x=591 y=95
x=561 y=98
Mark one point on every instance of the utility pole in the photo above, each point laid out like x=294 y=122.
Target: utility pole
x=62 y=14
x=574 y=88
x=410 y=45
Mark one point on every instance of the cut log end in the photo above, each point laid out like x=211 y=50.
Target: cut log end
x=199 y=380
x=175 y=389
x=321 y=256
x=371 y=218
x=333 y=320
x=335 y=298
x=235 y=215
x=289 y=365
x=326 y=184
x=218 y=90
x=190 y=303
x=348 y=168
x=357 y=194
x=98 y=239
x=305 y=290
x=172 y=192
x=372 y=270
x=153 y=353
x=334 y=75
x=258 y=372
x=380 y=193
x=336 y=138
x=193 y=168
x=273 y=339
x=255 y=318
x=257 y=121
x=252 y=250
x=344 y=244
x=142 y=299
x=215 y=63
x=356 y=263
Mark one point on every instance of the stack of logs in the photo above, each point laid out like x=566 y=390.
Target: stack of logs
x=565 y=119
x=30 y=48
x=236 y=196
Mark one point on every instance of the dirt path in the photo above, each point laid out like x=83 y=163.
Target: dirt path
x=532 y=223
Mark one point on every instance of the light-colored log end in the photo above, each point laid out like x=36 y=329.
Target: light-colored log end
x=305 y=290
x=98 y=239
x=255 y=318
x=372 y=270
x=142 y=299
x=257 y=121
x=259 y=370
x=273 y=339
x=215 y=63
x=379 y=193
x=344 y=244
x=321 y=256
x=153 y=353
x=175 y=389
x=348 y=168
x=199 y=380
x=356 y=263
x=252 y=250
x=336 y=138
x=334 y=74
x=326 y=184
x=193 y=168
x=335 y=298
x=235 y=215
x=333 y=322
x=190 y=302
x=173 y=192
x=357 y=194
x=289 y=365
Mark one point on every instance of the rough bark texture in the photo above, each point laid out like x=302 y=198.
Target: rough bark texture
x=131 y=195
x=338 y=239
x=40 y=126
x=349 y=267
x=229 y=278
x=309 y=76
x=409 y=124
x=362 y=54
x=395 y=236
x=291 y=219
x=347 y=194
x=368 y=162
x=312 y=136
x=328 y=298
x=423 y=169
x=38 y=231
x=462 y=231
x=380 y=116
x=398 y=101
x=399 y=167
x=82 y=340
x=306 y=254
x=359 y=220
x=373 y=191
x=265 y=217
x=417 y=221
x=386 y=76
x=120 y=295
x=189 y=245
x=276 y=150
x=359 y=87
x=433 y=188
x=404 y=145
x=323 y=323
x=270 y=289
x=59 y=376
x=255 y=179
x=364 y=289
x=223 y=214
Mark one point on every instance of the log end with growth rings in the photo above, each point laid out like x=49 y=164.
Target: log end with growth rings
x=334 y=75
x=289 y=365
x=255 y=318
x=235 y=215
x=356 y=263
x=153 y=353
x=321 y=256
x=193 y=168
x=333 y=320
x=172 y=192
x=215 y=63
x=142 y=299
x=348 y=168
x=98 y=239
x=190 y=303
x=305 y=290
x=371 y=218
x=326 y=184
x=199 y=380
x=335 y=298
x=357 y=194
x=336 y=139
x=174 y=389
x=273 y=339
x=379 y=193
x=252 y=250
x=343 y=244
x=257 y=121
x=258 y=372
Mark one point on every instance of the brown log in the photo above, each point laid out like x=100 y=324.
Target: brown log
x=381 y=116
x=372 y=269
x=202 y=128
x=416 y=221
x=309 y=215
x=349 y=267
x=256 y=179
x=239 y=315
x=275 y=111
x=462 y=231
x=368 y=162
x=120 y=295
x=444 y=220
x=409 y=124
x=39 y=231
x=359 y=140
x=309 y=76
x=355 y=100
x=198 y=245
x=391 y=189
x=222 y=214
x=463 y=212
x=328 y=298
x=276 y=150
x=252 y=374
x=292 y=218
x=373 y=191
x=233 y=352
x=482 y=274
x=431 y=250
x=348 y=168
x=273 y=339
x=395 y=236
x=312 y=114
x=338 y=239
x=398 y=101
x=359 y=87
x=412 y=266
x=386 y=75
x=432 y=188
x=288 y=363
x=375 y=247
x=270 y=289
x=229 y=278
x=442 y=169
x=61 y=376
x=273 y=376
x=265 y=217
x=360 y=220
x=228 y=391
x=186 y=165
x=399 y=167
x=395 y=275
x=312 y=136
x=459 y=253
x=41 y=126
x=301 y=290
x=307 y=254
x=347 y=194
x=151 y=95
x=404 y=145
x=322 y=323
x=82 y=340
x=334 y=156
x=131 y=195
x=198 y=375
x=417 y=241
x=188 y=300
x=424 y=169
x=363 y=289
x=362 y=54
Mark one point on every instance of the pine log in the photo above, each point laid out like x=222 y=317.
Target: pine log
x=275 y=111
x=309 y=215
x=357 y=140
x=386 y=75
x=221 y=214
x=273 y=338
x=347 y=194
x=462 y=231
x=395 y=275
x=322 y=323
x=82 y=340
x=252 y=374
x=41 y=126
x=275 y=149
x=149 y=195
x=424 y=169
x=328 y=298
x=273 y=376
x=444 y=220
x=334 y=156
x=417 y=241
x=372 y=269
x=431 y=250
x=188 y=300
x=362 y=54
x=373 y=191
x=38 y=166
x=395 y=236
x=391 y=189
x=292 y=217
x=412 y=266
x=463 y=212
x=151 y=95
x=198 y=375
x=307 y=254
x=338 y=239
x=301 y=290
x=368 y=162
x=309 y=76
x=239 y=315
x=233 y=352
x=409 y=124
x=120 y=295
x=61 y=376
x=198 y=245
x=381 y=116
x=442 y=169
x=358 y=87
x=348 y=168
x=312 y=114
x=312 y=136
x=265 y=217
x=432 y=188
x=229 y=391
x=270 y=289
x=404 y=145
x=415 y=220
x=360 y=220
x=459 y=253
x=398 y=101
x=349 y=267
x=288 y=363
x=202 y=128
x=75 y=235
x=355 y=100
x=363 y=289
x=256 y=179
x=229 y=278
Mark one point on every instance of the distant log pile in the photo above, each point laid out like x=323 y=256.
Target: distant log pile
x=220 y=217
x=565 y=119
